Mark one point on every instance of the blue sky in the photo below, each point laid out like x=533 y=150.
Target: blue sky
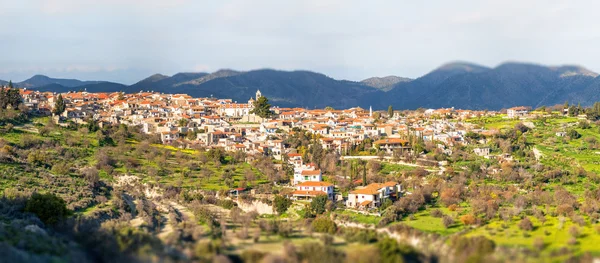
x=126 y=40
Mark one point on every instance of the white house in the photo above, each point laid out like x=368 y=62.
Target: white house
x=308 y=190
x=295 y=159
x=169 y=136
x=373 y=195
x=484 y=151
x=307 y=175
x=516 y=112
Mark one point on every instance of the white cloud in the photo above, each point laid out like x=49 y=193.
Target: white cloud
x=348 y=39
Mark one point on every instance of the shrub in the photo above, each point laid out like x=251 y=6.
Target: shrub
x=252 y=256
x=574 y=231
x=323 y=224
x=452 y=207
x=363 y=236
x=526 y=224
x=584 y=125
x=47 y=207
x=226 y=203
x=317 y=205
x=472 y=249
x=468 y=219
x=61 y=168
x=447 y=221
x=573 y=134
x=281 y=204
x=564 y=209
x=392 y=251
x=327 y=240
x=316 y=252
x=436 y=213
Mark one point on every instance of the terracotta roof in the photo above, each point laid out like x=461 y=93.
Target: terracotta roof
x=366 y=203
x=310 y=172
x=365 y=191
x=373 y=188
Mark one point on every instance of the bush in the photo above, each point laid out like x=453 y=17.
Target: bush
x=452 y=207
x=436 y=213
x=61 y=168
x=226 y=203
x=564 y=209
x=318 y=204
x=472 y=249
x=526 y=224
x=447 y=221
x=573 y=134
x=392 y=251
x=574 y=231
x=316 y=252
x=363 y=236
x=468 y=219
x=47 y=207
x=281 y=204
x=323 y=224
x=584 y=125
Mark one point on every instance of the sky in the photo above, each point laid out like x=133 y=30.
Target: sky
x=128 y=40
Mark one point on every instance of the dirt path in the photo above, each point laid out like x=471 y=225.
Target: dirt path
x=28 y=127
x=182 y=214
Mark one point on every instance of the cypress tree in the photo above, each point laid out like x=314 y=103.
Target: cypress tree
x=59 y=105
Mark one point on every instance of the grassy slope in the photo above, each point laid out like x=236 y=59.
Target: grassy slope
x=568 y=155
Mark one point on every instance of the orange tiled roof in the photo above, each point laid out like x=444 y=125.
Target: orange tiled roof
x=366 y=203
x=365 y=191
x=310 y=172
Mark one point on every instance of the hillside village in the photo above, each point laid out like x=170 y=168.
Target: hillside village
x=184 y=122
x=447 y=172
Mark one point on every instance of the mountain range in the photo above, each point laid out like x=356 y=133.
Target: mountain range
x=458 y=84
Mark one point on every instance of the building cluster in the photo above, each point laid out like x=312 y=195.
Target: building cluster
x=227 y=124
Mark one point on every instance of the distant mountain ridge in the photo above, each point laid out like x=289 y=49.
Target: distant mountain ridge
x=457 y=84
x=41 y=80
x=384 y=83
x=507 y=85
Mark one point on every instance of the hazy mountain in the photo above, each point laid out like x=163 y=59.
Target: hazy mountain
x=384 y=83
x=95 y=87
x=161 y=83
x=458 y=84
x=507 y=85
x=154 y=78
x=409 y=95
x=208 y=77
x=288 y=88
x=41 y=80
x=3 y=82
